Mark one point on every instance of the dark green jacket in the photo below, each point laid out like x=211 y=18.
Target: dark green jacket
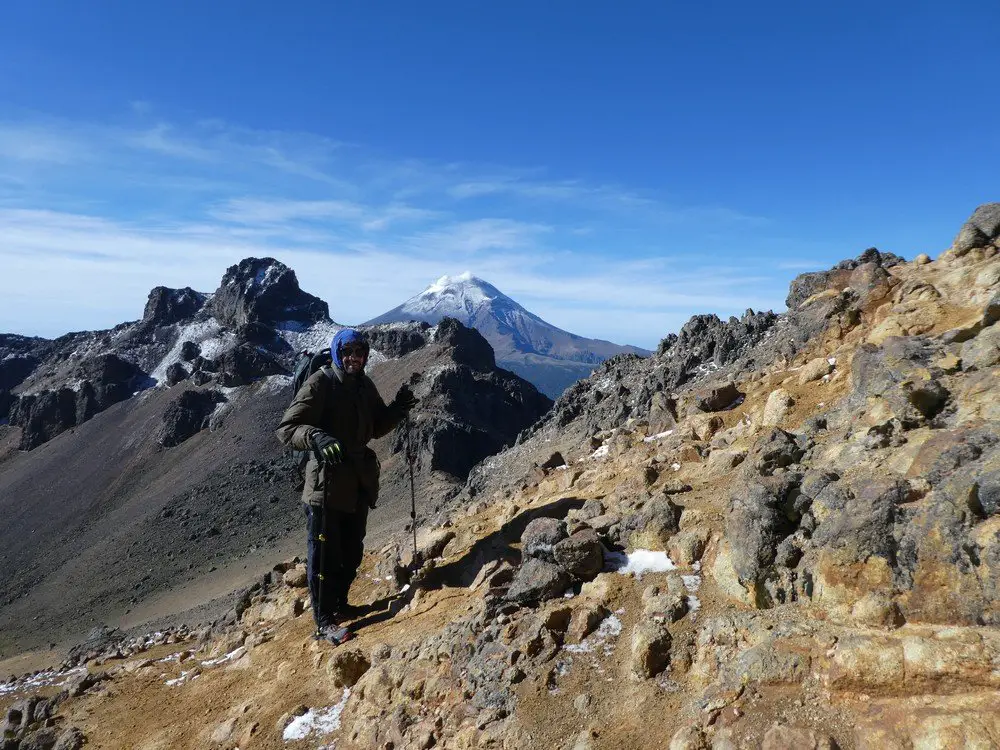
x=350 y=409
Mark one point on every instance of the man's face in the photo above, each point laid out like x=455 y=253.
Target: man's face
x=354 y=357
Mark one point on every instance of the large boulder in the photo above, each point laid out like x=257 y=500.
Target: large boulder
x=537 y=580
x=541 y=536
x=581 y=554
x=982 y=228
x=845 y=274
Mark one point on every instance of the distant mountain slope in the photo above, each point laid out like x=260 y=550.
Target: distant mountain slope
x=548 y=356
x=139 y=465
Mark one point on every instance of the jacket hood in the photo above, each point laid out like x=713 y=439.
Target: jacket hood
x=342 y=337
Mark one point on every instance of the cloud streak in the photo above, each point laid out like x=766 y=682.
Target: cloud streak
x=94 y=215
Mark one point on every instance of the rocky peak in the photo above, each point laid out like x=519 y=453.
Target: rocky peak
x=267 y=291
x=166 y=306
x=470 y=348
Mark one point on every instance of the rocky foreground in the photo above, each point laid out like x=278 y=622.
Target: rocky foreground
x=778 y=532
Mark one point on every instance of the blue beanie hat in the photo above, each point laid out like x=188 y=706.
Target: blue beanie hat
x=345 y=336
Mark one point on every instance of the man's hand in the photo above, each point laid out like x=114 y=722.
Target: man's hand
x=405 y=400
x=327 y=448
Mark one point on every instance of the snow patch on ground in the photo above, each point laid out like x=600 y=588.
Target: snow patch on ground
x=316 y=721
x=610 y=627
x=208 y=334
x=231 y=656
x=639 y=562
x=44 y=679
x=657 y=436
x=601 y=452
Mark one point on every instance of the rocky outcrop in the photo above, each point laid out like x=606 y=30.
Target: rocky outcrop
x=167 y=306
x=100 y=382
x=982 y=229
x=397 y=339
x=263 y=290
x=188 y=415
x=244 y=364
x=470 y=409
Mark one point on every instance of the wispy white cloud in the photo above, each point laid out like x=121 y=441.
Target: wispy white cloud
x=120 y=208
x=161 y=139
x=20 y=143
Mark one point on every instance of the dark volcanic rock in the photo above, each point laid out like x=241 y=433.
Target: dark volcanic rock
x=540 y=536
x=243 y=364
x=471 y=348
x=43 y=416
x=166 y=306
x=103 y=380
x=264 y=290
x=176 y=373
x=581 y=555
x=537 y=580
x=190 y=350
x=717 y=397
x=188 y=415
x=397 y=340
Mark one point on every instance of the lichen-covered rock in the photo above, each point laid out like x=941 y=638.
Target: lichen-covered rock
x=982 y=228
x=650 y=646
x=537 y=580
x=581 y=554
x=540 y=537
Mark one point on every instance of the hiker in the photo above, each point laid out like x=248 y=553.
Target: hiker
x=333 y=416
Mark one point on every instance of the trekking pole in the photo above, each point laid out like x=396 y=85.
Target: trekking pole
x=411 y=458
x=322 y=564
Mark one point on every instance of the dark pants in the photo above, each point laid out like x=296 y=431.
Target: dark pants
x=336 y=559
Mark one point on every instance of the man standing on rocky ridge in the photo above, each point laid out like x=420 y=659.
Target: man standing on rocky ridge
x=334 y=415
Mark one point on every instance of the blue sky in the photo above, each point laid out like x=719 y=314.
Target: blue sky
x=615 y=167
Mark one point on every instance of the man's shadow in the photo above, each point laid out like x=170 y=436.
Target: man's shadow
x=463 y=571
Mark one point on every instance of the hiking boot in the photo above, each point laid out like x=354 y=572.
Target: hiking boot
x=335 y=634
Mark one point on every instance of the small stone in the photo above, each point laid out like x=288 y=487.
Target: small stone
x=584 y=621
x=689 y=738
x=922 y=260
x=582 y=704
x=650 y=649
x=781 y=737
x=296 y=577
x=814 y=370
x=776 y=408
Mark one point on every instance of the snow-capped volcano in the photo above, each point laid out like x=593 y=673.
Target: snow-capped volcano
x=548 y=356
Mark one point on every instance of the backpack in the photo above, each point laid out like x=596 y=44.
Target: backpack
x=306 y=363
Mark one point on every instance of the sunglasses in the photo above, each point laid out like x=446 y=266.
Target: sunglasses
x=353 y=351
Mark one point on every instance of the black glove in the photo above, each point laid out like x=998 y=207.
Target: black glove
x=405 y=400
x=327 y=448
